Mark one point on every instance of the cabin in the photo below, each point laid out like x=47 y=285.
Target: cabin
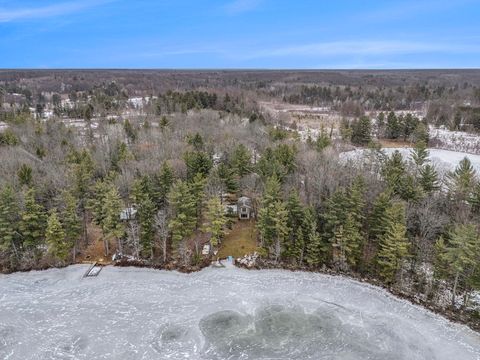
x=128 y=214
x=244 y=208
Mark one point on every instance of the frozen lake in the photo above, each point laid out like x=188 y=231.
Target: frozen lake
x=128 y=313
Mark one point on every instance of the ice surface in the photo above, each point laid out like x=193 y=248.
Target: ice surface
x=228 y=313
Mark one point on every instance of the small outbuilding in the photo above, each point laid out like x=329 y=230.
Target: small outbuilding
x=244 y=208
x=206 y=249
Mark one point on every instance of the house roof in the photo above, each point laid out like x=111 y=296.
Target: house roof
x=244 y=201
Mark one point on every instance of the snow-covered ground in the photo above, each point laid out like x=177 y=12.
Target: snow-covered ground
x=139 y=102
x=444 y=160
x=455 y=140
x=3 y=126
x=230 y=313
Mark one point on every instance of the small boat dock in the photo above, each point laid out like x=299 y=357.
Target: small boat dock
x=93 y=270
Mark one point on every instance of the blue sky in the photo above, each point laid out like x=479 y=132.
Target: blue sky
x=275 y=34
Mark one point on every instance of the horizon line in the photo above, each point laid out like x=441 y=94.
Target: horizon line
x=236 y=69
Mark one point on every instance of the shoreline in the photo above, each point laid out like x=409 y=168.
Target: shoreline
x=461 y=317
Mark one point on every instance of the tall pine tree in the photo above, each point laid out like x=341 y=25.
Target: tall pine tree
x=459 y=258
x=112 y=226
x=58 y=248
x=32 y=222
x=9 y=226
x=215 y=221
x=184 y=212
x=393 y=244
x=71 y=222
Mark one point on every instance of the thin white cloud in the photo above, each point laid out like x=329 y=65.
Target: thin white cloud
x=364 y=48
x=242 y=6
x=28 y=13
x=407 y=9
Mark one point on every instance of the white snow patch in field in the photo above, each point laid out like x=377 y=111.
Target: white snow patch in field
x=444 y=160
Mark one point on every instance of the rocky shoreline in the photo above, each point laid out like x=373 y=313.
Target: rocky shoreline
x=172 y=266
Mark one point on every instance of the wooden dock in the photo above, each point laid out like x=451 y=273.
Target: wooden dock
x=93 y=270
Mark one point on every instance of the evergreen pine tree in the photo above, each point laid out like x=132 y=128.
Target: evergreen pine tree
x=241 y=160
x=266 y=215
x=361 y=131
x=25 y=176
x=399 y=181
x=82 y=170
x=421 y=133
x=393 y=127
x=429 y=179
x=71 y=222
x=215 y=221
x=298 y=251
x=227 y=175
x=32 y=222
x=323 y=140
x=394 y=170
x=393 y=244
x=313 y=240
x=197 y=189
x=184 y=208
x=336 y=209
x=462 y=180
x=460 y=257
x=420 y=154
x=162 y=182
x=347 y=243
x=475 y=198
x=55 y=237
x=163 y=123
x=339 y=258
x=197 y=162
x=295 y=219
x=8 y=225
x=280 y=227
x=112 y=226
x=381 y=120
x=346 y=206
x=146 y=211
x=378 y=220
x=409 y=125
x=97 y=201
x=196 y=141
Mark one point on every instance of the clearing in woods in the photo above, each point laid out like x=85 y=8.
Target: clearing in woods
x=95 y=251
x=240 y=240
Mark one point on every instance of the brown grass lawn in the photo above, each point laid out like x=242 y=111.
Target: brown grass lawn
x=395 y=143
x=240 y=240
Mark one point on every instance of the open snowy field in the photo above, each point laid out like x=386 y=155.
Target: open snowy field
x=444 y=160
x=128 y=313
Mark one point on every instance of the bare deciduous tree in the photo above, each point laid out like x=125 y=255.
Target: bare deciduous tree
x=161 y=225
x=133 y=238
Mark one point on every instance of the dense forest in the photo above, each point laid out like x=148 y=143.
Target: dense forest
x=149 y=178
